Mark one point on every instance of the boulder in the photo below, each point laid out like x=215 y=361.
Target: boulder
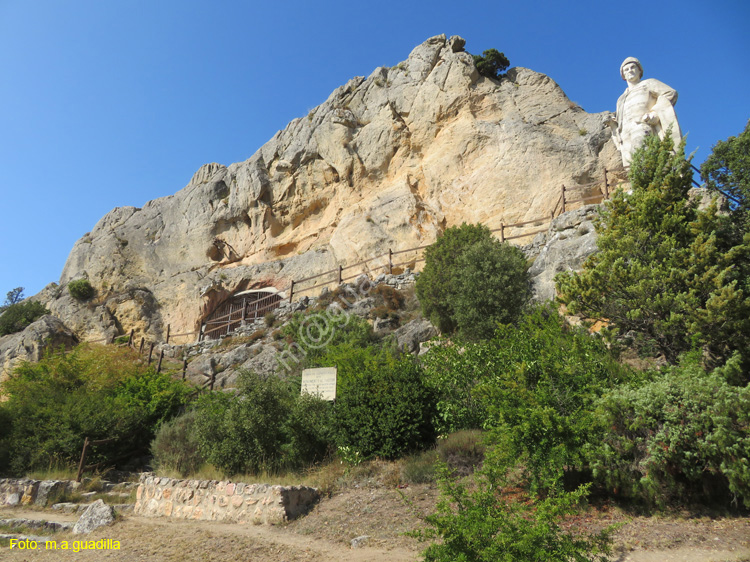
x=30 y=344
x=96 y=515
x=410 y=335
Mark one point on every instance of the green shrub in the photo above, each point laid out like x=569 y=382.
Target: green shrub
x=532 y=386
x=265 y=427
x=483 y=524
x=683 y=436
x=385 y=410
x=176 y=448
x=492 y=288
x=472 y=289
x=99 y=392
x=420 y=468
x=19 y=315
x=492 y=63
x=463 y=451
x=81 y=289
x=545 y=377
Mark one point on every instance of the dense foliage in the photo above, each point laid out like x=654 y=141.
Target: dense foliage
x=682 y=435
x=727 y=171
x=532 y=386
x=19 y=315
x=666 y=274
x=471 y=282
x=81 y=289
x=175 y=447
x=385 y=410
x=491 y=63
x=97 y=392
x=265 y=426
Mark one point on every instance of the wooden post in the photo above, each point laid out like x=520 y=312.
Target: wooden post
x=390 y=261
x=563 y=198
x=291 y=292
x=502 y=232
x=140 y=349
x=112 y=339
x=244 y=310
x=606 y=184
x=169 y=328
x=82 y=464
x=213 y=380
x=150 y=352
x=184 y=368
x=158 y=366
x=341 y=274
x=130 y=339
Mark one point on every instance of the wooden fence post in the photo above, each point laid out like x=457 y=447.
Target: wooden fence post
x=184 y=368
x=291 y=292
x=390 y=261
x=140 y=349
x=606 y=184
x=112 y=339
x=563 y=198
x=213 y=380
x=158 y=366
x=341 y=274
x=130 y=339
x=169 y=329
x=82 y=464
x=502 y=232
x=150 y=352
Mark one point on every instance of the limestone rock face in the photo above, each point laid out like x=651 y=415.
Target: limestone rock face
x=387 y=161
x=30 y=344
x=570 y=239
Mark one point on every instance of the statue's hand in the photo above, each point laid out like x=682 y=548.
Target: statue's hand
x=650 y=119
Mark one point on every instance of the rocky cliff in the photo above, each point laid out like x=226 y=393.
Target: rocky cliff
x=387 y=161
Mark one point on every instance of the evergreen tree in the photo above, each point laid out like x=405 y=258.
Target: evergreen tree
x=666 y=271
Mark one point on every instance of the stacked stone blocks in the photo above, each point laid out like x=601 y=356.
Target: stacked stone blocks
x=212 y=500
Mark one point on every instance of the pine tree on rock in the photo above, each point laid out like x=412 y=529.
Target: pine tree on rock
x=665 y=272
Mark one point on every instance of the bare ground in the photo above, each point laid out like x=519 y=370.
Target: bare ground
x=381 y=513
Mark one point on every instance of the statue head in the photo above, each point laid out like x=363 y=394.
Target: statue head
x=628 y=61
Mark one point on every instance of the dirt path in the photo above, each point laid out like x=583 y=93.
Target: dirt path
x=325 y=534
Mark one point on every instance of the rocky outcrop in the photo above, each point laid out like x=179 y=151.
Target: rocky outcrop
x=98 y=514
x=387 y=161
x=570 y=239
x=48 y=332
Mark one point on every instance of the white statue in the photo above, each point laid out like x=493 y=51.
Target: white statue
x=645 y=108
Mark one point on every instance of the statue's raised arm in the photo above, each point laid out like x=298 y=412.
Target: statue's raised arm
x=645 y=108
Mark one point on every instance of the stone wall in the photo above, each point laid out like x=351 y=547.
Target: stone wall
x=24 y=491
x=212 y=500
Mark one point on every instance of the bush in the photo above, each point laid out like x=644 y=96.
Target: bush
x=683 y=436
x=492 y=288
x=97 y=392
x=484 y=524
x=176 y=448
x=491 y=64
x=472 y=289
x=385 y=410
x=532 y=386
x=19 y=315
x=81 y=289
x=265 y=427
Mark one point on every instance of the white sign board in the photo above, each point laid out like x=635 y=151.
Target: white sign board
x=321 y=382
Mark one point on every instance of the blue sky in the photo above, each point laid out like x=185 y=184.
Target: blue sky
x=112 y=103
